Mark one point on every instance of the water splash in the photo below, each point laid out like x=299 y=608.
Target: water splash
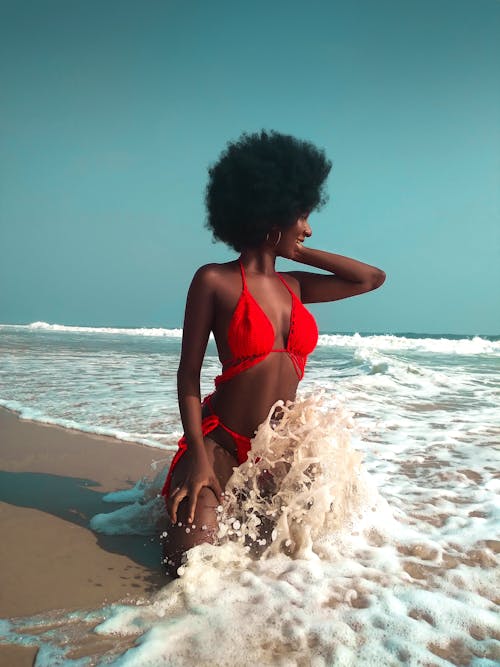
x=302 y=481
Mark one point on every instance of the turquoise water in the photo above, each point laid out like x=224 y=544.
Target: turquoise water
x=121 y=382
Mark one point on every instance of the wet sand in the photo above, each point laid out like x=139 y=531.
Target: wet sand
x=52 y=481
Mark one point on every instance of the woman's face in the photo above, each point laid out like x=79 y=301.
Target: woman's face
x=296 y=234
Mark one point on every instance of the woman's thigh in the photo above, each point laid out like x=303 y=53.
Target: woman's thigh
x=182 y=536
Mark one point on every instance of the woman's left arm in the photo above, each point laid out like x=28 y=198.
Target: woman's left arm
x=350 y=277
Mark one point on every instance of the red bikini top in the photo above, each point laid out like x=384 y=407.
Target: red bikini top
x=251 y=334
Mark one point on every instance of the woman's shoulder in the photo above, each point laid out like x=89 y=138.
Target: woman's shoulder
x=214 y=274
x=214 y=269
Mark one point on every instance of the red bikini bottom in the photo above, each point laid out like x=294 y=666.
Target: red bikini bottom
x=208 y=424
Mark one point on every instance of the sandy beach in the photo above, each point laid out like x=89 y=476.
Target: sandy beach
x=52 y=481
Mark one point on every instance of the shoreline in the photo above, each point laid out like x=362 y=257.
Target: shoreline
x=52 y=481
x=90 y=434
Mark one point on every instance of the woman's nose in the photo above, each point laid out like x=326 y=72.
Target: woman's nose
x=307 y=230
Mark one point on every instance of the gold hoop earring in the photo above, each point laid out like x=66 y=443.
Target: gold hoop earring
x=276 y=242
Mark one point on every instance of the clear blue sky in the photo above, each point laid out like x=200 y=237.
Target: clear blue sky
x=111 y=111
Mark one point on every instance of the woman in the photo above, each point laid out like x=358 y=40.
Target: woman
x=259 y=197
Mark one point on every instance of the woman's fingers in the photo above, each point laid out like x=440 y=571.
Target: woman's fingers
x=179 y=493
x=216 y=488
x=193 y=498
x=174 y=500
x=195 y=491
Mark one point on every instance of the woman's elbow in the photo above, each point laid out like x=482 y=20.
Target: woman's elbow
x=378 y=279
x=187 y=374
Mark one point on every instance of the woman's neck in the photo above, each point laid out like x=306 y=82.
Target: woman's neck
x=259 y=260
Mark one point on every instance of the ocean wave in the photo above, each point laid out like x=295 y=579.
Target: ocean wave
x=139 y=331
x=387 y=342
x=391 y=342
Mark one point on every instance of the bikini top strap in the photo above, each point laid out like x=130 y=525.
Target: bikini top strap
x=286 y=284
x=243 y=279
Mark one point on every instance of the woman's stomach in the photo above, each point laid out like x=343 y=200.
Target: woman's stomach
x=243 y=402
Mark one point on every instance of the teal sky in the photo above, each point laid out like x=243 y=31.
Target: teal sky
x=110 y=113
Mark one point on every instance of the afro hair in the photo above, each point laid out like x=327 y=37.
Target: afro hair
x=263 y=181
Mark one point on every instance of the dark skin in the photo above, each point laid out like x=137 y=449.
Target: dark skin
x=244 y=401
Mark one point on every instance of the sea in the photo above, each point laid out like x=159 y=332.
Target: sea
x=363 y=530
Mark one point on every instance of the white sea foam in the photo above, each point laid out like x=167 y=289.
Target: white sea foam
x=443 y=345
x=300 y=484
x=143 y=514
x=401 y=570
x=390 y=561
x=128 y=331
x=151 y=440
x=466 y=346
x=139 y=331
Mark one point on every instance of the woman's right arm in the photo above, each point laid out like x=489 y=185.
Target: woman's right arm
x=198 y=322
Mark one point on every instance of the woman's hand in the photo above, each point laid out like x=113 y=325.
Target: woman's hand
x=199 y=474
x=290 y=248
x=289 y=242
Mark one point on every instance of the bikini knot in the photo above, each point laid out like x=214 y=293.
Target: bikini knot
x=209 y=423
